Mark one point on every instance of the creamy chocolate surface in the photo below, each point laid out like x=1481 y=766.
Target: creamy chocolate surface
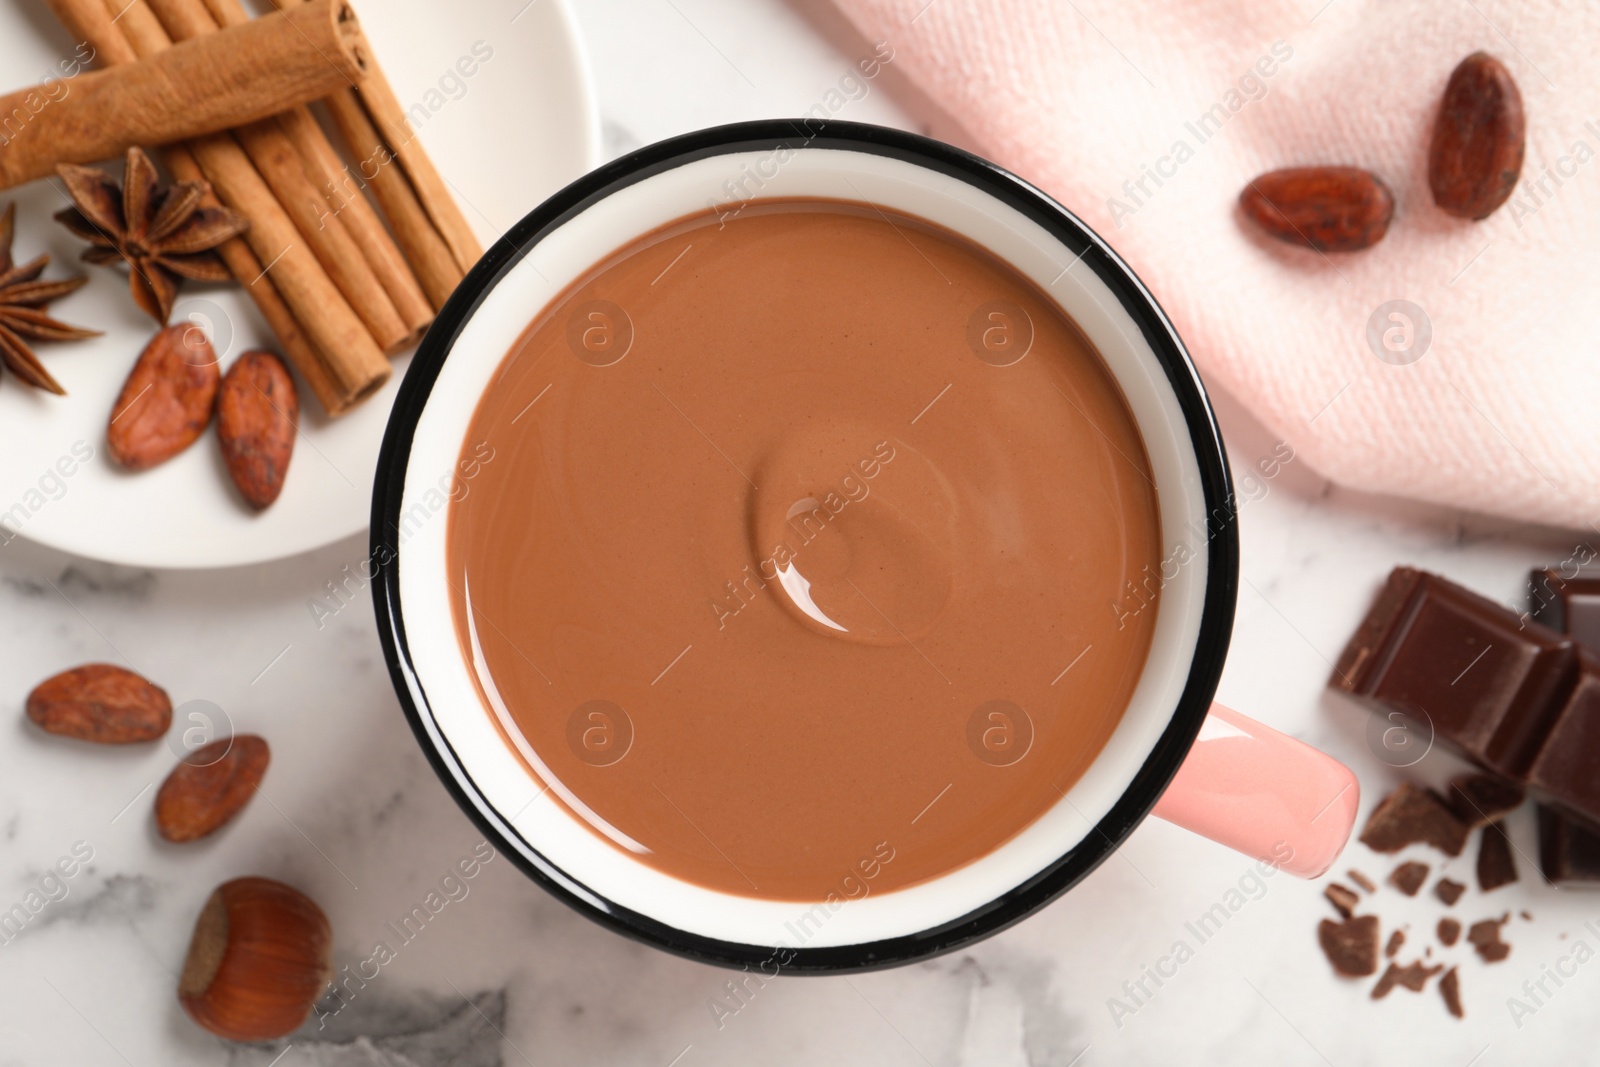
x=800 y=558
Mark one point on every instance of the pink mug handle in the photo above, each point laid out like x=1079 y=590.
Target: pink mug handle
x=1263 y=793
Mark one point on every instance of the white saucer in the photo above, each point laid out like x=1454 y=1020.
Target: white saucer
x=522 y=125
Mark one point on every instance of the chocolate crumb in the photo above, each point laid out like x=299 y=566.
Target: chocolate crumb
x=1449 y=891
x=1485 y=937
x=1527 y=916
x=1396 y=939
x=1450 y=989
x=1409 y=815
x=1496 y=865
x=1351 y=946
x=1408 y=877
x=1478 y=799
x=1361 y=880
x=1449 y=931
x=1413 y=976
x=1343 y=899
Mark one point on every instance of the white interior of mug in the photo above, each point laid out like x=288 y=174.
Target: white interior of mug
x=570 y=851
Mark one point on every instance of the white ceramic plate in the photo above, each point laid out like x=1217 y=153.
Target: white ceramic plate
x=522 y=125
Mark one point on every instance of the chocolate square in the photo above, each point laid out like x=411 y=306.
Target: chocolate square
x=1569 y=853
x=1483 y=677
x=1566 y=770
x=1568 y=604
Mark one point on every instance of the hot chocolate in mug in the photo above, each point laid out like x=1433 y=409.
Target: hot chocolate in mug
x=806 y=545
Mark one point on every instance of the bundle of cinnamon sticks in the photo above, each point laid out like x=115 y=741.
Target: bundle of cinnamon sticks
x=341 y=289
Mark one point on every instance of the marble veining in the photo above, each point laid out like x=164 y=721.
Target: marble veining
x=404 y=1029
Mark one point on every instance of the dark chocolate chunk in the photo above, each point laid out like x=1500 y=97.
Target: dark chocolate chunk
x=1361 y=880
x=1351 y=946
x=1484 y=679
x=1480 y=799
x=1568 y=604
x=1449 y=932
x=1449 y=891
x=1566 y=771
x=1569 y=852
x=1450 y=990
x=1396 y=939
x=1409 y=815
x=1408 y=877
x=1512 y=695
x=1496 y=866
x=1413 y=976
x=1343 y=899
x=1485 y=937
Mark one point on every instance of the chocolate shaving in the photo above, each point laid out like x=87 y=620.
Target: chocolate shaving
x=1343 y=899
x=1479 y=799
x=1361 y=880
x=1449 y=891
x=1485 y=937
x=1449 y=932
x=1409 y=815
x=1408 y=877
x=1413 y=976
x=1450 y=990
x=1351 y=946
x=1396 y=939
x=1496 y=865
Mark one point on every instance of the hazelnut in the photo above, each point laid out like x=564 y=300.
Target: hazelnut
x=260 y=956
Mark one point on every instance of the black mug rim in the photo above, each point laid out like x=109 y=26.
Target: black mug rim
x=1216 y=623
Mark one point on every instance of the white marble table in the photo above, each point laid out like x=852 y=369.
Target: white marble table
x=508 y=976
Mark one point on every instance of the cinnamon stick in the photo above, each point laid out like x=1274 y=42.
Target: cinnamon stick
x=424 y=216
x=278 y=162
x=355 y=366
x=89 y=21
x=344 y=198
x=246 y=269
x=391 y=120
x=361 y=219
x=258 y=69
x=424 y=246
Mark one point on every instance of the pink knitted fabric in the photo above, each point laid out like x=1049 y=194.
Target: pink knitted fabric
x=1147 y=118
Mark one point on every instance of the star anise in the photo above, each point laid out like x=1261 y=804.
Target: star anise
x=164 y=234
x=22 y=316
